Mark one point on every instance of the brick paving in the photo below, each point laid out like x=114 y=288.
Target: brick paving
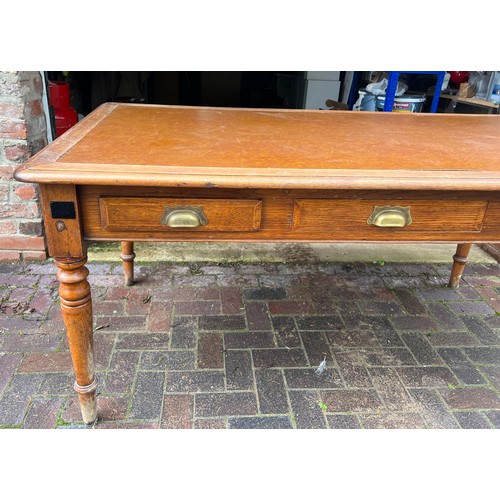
x=236 y=346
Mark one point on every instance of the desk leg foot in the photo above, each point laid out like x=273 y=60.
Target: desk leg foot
x=76 y=305
x=128 y=257
x=459 y=261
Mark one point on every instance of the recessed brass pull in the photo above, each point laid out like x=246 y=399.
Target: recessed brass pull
x=179 y=217
x=390 y=216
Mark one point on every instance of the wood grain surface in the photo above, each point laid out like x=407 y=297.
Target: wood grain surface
x=296 y=215
x=344 y=215
x=127 y=213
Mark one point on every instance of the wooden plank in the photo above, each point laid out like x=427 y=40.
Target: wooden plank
x=471 y=100
x=199 y=177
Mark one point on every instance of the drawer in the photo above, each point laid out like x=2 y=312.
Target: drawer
x=179 y=214
x=382 y=216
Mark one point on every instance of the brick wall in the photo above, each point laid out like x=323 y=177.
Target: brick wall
x=23 y=132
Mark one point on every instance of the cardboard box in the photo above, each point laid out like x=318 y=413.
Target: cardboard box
x=467 y=90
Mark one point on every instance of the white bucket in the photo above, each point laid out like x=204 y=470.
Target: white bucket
x=404 y=104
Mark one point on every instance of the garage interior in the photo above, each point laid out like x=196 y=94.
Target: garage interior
x=463 y=91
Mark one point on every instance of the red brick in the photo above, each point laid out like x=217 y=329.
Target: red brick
x=37 y=84
x=229 y=403
x=160 y=317
x=198 y=308
x=8 y=366
x=41 y=302
x=306 y=410
x=248 y=340
x=42 y=413
x=270 y=358
x=414 y=323
x=8 y=256
x=383 y=294
x=116 y=293
x=53 y=362
x=239 y=372
x=26 y=192
x=390 y=389
x=4 y=192
x=393 y=421
x=231 y=300
x=141 y=341
x=207 y=294
x=210 y=349
x=31 y=228
x=210 y=423
x=290 y=307
x=258 y=316
x=169 y=295
x=11 y=110
x=12 y=130
x=6 y=172
x=479 y=281
x=126 y=425
x=177 y=412
x=31 y=342
x=20 y=243
x=17 y=152
x=34 y=108
x=195 y=381
x=20 y=210
x=8 y=227
x=108 y=307
x=410 y=302
x=42 y=255
x=343 y=400
x=491 y=297
x=471 y=398
x=352 y=369
x=105 y=280
x=271 y=391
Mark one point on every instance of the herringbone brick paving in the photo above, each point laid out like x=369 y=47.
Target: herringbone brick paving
x=236 y=346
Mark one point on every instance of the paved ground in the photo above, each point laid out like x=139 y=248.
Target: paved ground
x=234 y=346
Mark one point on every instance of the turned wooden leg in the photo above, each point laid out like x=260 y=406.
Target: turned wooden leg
x=128 y=257
x=459 y=261
x=76 y=305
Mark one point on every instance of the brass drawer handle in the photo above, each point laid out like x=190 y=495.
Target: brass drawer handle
x=184 y=217
x=390 y=217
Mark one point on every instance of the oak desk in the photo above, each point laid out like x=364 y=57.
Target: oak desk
x=167 y=173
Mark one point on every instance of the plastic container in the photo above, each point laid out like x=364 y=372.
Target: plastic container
x=495 y=88
x=405 y=104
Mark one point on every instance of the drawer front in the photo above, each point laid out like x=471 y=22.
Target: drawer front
x=179 y=214
x=367 y=216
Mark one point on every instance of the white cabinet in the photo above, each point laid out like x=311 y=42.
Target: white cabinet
x=320 y=86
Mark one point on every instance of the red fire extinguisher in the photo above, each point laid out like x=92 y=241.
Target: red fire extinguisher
x=59 y=98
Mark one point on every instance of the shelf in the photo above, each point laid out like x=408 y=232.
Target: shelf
x=470 y=100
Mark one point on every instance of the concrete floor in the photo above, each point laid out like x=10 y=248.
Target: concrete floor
x=287 y=252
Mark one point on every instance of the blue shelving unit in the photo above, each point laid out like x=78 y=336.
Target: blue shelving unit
x=392 y=85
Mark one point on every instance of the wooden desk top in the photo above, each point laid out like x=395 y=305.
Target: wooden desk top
x=150 y=145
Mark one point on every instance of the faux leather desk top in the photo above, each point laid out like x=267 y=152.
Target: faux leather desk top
x=149 y=145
